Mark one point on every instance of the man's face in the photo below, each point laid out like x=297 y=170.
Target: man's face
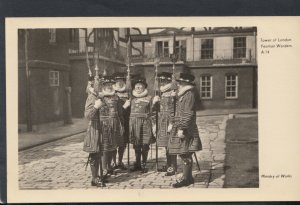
x=164 y=82
x=108 y=87
x=139 y=87
x=120 y=83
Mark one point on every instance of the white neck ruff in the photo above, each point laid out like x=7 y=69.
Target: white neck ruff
x=182 y=90
x=165 y=88
x=105 y=93
x=137 y=95
x=119 y=89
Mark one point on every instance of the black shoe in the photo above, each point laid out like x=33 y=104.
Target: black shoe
x=183 y=183
x=114 y=166
x=136 y=167
x=121 y=166
x=111 y=172
x=191 y=180
x=98 y=182
x=163 y=169
x=144 y=169
x=170 y=171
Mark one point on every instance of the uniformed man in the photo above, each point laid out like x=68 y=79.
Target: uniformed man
x=121 y=92
x=105 y=128
x=165 y=118
x=140 y=125
x=111 y=123
x=92 y=138
x=185 y=140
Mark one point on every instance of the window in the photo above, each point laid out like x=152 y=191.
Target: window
x=52 y=36
x=239 y=47
x=207 y=49
x=162 y=48
x=53 y=78
x=206 y=87
x=180 y=48
x=231 y=86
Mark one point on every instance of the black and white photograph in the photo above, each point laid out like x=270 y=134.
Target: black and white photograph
x=158 y=109
x=138 y=108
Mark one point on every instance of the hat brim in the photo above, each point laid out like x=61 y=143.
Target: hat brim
x=185 y=81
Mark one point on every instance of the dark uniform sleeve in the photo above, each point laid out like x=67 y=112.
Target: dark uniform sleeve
x=121 y=110
x=188 y=103
x=90 y=111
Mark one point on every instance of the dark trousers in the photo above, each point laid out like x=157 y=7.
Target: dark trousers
x=141 y=151
x=94 y=160
x=120 y=151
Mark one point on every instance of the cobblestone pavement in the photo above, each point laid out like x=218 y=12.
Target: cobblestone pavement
x=61 y=164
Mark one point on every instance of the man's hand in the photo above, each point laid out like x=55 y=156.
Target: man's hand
x=170 y=126
x=173 y=93
x=126 y=104
x=156 y=99
x=180 y=134
x=98 y=104
x=100 y=94
x=91 y=89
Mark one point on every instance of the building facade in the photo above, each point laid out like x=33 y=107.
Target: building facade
x=43 y=76
x=111 y=58
x=223 y=60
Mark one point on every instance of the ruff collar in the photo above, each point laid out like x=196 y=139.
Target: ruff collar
x=119 y=89
x=184 y=89
x=141 y=95
x=165 y=88
x=105 y=93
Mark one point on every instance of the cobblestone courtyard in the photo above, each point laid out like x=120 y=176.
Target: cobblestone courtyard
x=61 y=164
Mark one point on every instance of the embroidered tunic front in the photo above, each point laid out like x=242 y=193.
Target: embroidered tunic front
x=165 y=116
x=140 y=125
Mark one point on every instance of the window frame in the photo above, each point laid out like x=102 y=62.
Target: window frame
x=164 y=49
x=211 y=87
x=227 y=86
x=239 y=52
x=180 y=48
x=54 y=78
x=207 y=50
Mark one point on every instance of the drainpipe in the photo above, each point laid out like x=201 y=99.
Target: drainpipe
x=28 y=100
x=193 y=46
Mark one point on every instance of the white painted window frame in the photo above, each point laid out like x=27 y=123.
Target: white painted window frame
x=211 y=87
x=53 y=78
x=236 y=86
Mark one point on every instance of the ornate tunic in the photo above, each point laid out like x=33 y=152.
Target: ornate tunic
x=108 y=127
x=111 y=123
x=91 y=140
x=140 y=125
x=185 y=119
x=165 y=116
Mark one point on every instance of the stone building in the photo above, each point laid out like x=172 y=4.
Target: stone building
x=43 y=77
x=223 y=60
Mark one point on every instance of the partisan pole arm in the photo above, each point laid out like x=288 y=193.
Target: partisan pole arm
x=156 y=90
x=129 y=89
